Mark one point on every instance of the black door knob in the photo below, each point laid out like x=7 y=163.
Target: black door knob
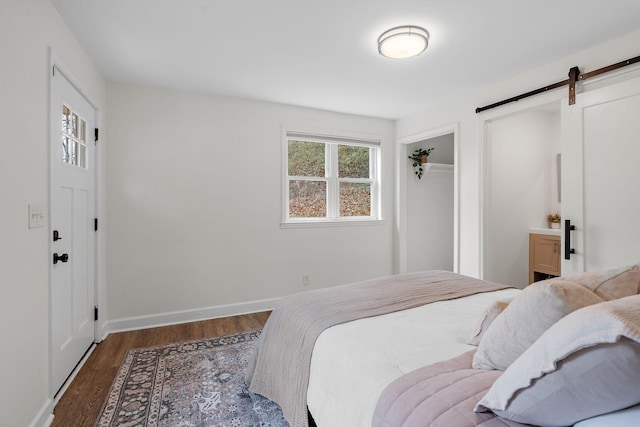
x=61 y=258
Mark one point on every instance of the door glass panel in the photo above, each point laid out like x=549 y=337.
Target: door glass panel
x=74 y=124
x=72 y=152
x=74 y=137
x=66 y=125
x=81 y=156
x=81 y=134
x=65 y=150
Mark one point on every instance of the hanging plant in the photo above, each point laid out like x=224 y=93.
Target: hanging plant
x=420 y=157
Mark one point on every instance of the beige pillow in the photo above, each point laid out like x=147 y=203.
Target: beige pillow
x=612 y=283
x=532 y=312
x=486 y=319
x=583 y=366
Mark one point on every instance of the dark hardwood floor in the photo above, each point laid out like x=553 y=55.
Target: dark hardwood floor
x=81 y=403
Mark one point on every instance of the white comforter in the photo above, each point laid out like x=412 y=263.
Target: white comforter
x=353 y=362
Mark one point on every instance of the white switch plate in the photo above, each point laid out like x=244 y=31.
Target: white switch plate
x=36 y=216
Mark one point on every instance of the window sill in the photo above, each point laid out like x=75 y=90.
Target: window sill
x=333 y=223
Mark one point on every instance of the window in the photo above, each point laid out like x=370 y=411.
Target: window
x=74 y=138
x=330 y=179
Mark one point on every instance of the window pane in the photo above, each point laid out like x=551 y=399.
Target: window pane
x=306 y=158
x=355 y=199
x=353 y=162
x=65 y=120
x=74 y=124
x=81 y=130
x=65 y=149
x=81 y=156
x=72 y=151
x=74 y=137
x=307 y=199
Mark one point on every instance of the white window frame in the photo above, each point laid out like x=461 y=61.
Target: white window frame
x=333 y=140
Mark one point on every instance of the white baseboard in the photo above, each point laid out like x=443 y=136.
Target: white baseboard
x=194 y=315
x=44 y=417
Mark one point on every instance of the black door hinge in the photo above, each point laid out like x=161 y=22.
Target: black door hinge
x=95 y=313
x=95 y=224
x=96 y=134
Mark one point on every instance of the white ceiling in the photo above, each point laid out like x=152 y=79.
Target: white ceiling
x=323 y=53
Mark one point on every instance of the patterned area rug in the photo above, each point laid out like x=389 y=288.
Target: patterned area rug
x=189 y=384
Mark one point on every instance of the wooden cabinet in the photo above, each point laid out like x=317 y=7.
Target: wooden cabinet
x=544 y=256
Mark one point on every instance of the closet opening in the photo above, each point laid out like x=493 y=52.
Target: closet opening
x=428 y=206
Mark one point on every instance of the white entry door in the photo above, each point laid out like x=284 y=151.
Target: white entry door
x=72 y=227
x=601 y=178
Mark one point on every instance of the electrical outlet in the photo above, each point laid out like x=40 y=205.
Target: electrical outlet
x=305 y=280
x=36 y=216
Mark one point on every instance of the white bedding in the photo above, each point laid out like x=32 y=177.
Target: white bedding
x=353 y=362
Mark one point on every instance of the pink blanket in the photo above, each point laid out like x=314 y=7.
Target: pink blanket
x=439 y=395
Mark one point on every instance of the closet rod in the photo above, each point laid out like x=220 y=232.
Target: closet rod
x=556 y=85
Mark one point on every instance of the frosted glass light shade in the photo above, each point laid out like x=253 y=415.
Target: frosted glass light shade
x=403 y=42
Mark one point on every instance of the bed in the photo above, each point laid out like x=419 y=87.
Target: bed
x=357 y=361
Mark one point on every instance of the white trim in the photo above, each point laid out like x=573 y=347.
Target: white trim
x=337 y=135
x=343 y=222
x=484 y=119
x=401 y=191
x=58 y=64
x=332 y=139
x=192 y=315
x=44 y=417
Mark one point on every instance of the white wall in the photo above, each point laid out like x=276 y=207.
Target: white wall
x=462 y=111
x=430 y=209
x=194 y=207
x=27 y=30
x=520 y=182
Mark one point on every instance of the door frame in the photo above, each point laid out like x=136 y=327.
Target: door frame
x=55 y=63
x=401 y=191
x=484 y=119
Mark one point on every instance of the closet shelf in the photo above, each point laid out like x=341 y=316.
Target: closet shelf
x=437 y=167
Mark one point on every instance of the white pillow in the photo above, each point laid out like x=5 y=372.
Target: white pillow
x=612 y=283
x=585 y=365
x=532 y=312
x=489 y=315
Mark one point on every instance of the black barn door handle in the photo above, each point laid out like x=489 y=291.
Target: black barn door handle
x=567 y=239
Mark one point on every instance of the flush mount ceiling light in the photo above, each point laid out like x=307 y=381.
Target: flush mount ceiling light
x=403 y=42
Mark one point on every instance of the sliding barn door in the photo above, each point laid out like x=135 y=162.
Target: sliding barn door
x=601 y=178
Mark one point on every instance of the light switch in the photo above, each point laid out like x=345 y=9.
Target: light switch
x=36 y=216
